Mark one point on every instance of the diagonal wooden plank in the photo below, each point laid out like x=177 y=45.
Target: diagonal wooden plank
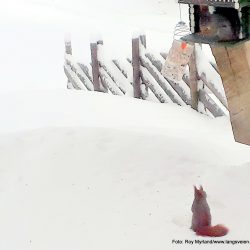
x=161 y=80
x=181 y=88
x=151 y=83
x=73 y=78
x=210 y=104
x=109 y=83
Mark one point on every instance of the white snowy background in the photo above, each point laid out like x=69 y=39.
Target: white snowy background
x=84 y=170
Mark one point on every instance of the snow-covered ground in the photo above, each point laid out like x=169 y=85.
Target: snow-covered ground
x=85 y=170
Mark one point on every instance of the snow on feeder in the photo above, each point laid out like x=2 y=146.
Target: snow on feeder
x=225 y=25
x=179 y=54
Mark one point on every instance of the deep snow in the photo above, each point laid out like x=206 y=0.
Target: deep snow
x=84 y=170
x=105 y=172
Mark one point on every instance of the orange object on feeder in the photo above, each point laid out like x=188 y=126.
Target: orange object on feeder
x=183 y=45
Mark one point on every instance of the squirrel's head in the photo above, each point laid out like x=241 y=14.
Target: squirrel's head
x=199 y=193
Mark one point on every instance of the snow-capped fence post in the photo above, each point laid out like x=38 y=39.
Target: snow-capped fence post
x=143 y=40
x=68 y=51
x=193 y=80
x=68 y=46
x=99 y=42
x=144 y=86
x=136 y=67
x=95 y=67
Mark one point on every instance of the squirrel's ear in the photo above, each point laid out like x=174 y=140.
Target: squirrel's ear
x=195 y=189
x=201 y=188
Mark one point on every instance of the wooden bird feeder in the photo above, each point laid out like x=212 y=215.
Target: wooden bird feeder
x=225 y=25
x=218 y=20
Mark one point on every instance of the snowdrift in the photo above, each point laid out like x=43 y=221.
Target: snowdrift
x=84 y=170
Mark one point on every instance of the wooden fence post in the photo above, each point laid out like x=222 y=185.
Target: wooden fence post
x=143 y=40
x=68 y=51
x=144 y=93
x=99 y=42
x=68 y=46
x=136 y=67
x=95 y=67
x=193 y=79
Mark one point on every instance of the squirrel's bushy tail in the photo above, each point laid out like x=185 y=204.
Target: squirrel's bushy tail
x=215 y=231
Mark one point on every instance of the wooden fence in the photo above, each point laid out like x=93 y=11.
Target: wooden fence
x=141 y=77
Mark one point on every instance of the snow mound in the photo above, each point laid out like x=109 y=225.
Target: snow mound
x=88 y=170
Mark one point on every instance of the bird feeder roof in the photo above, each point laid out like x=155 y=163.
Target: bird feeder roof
x=218 y=3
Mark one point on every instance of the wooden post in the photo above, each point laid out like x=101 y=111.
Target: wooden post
x=234 y=66
x=68 y=51
x=103 y=85
x=143 y=40
x=193 y=80
x=136 y=67
x=68 y=46
x=99 y=42
x=95 y=67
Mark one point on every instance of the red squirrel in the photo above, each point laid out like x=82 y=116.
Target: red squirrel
x=201 y=220
x=219 y=25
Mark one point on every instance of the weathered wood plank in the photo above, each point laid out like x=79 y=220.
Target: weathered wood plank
x=151 y=83
x=234 y=66
x=193 y=81
x=155 y=61
x=73 y=78
x=219 y=96
x=87 y=70
x=68 y=46
x=208 y=102
x=69 y=84
x=161 y=80
x=181 y=88
x=123 y=70
x=68 y=51
x=109 y=83
x=116 y=75
x=136 y=67
x=143 y=40
x=95 y=67
x=79 y=72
